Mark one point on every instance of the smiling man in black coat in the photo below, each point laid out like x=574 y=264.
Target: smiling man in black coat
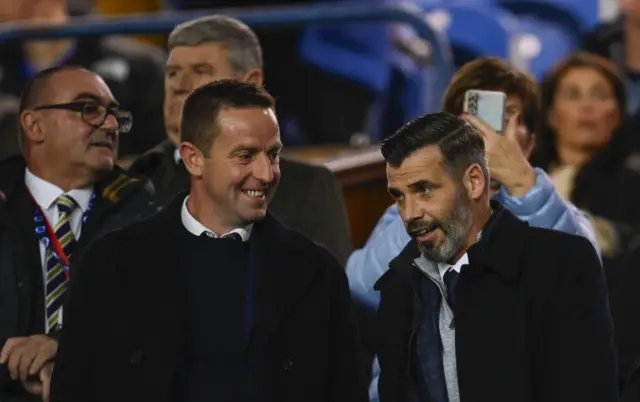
x=217 y=47
x=479 y=306
x=213 y=298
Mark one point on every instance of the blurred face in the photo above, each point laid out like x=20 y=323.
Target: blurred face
x=435 y=208
x=189 y=67
x=242 y=172
x=16 y=10
x=63 y=138
x=631 y=9
x=585 y=112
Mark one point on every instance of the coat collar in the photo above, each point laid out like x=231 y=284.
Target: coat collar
x=499 y=249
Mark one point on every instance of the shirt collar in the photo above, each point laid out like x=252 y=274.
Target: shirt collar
x=196 y=228
x=176 y=156
x=45 y=194
x=443 y=267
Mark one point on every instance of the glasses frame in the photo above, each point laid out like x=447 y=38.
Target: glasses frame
x=79 y=106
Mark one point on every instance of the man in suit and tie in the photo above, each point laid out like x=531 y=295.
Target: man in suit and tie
x=218 y=47
x=217 y=300
x=480 y=306
x=59 y=196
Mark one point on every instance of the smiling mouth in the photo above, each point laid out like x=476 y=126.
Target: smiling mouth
x=102 y=144
x=422 y=232
x=255 y=194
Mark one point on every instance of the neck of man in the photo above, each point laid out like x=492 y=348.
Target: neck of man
x=482 y=214
x=64 y=181
x=44 y=54
x=174 y=137
x=632 y=45
x=205 y=211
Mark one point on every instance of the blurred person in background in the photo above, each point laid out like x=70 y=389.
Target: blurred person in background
x=345 y=67
x=133 y=71
x=216 y=47
x=62 y=193
x=583 y=145
x=619 y=41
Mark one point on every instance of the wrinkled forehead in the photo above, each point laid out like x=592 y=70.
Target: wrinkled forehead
x=424 y=164
x=251 y=127
x=76 y=85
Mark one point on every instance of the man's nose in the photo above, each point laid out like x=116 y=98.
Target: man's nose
x=411 y=210
x=263 y=169
x=110 y=123
x=181 y=84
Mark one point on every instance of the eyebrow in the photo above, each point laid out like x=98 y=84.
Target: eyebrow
x=87 y=95
x=240 y=148
x=171 y=67
x=422 y=184
x=276 y=147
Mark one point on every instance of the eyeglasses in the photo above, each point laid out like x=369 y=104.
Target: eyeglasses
x=95 y=114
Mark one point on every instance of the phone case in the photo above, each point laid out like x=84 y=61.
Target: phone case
x=488 y=106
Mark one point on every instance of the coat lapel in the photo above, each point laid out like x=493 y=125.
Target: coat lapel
x=110 y=193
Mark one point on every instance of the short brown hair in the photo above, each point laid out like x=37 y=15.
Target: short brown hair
x=199 y=124
x=493 y=74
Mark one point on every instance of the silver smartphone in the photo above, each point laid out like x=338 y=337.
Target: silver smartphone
x=488 y=106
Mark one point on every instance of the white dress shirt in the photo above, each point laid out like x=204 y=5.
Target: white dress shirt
x=45 y=194
x=443 y=267
x=196 y=228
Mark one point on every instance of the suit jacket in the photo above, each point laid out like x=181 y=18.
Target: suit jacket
x=127 y=348
x=309 y=198
x=120 y=198
x=625 y=306
x=531 y=315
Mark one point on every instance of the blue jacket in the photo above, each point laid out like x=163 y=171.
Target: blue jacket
x=542 y=207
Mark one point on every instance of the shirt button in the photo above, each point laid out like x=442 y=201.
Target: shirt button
x=209 y=234
x=287 y=365
x=136 y=357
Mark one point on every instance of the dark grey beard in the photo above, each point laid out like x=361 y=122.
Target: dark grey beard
x=456 y=230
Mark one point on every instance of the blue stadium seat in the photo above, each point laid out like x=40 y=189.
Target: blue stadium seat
x=541 y=45
x=474 y=30
x=579 y=16
x=358 y=52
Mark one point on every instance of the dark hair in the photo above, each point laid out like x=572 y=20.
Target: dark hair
x=610 y=156
x=492 y=74
x=459 y=143
x=202 y=107
x=33 y=89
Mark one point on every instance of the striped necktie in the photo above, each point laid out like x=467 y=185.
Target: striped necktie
x=56 y=277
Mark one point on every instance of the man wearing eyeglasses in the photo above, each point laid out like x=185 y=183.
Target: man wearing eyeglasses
x=60 y=195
